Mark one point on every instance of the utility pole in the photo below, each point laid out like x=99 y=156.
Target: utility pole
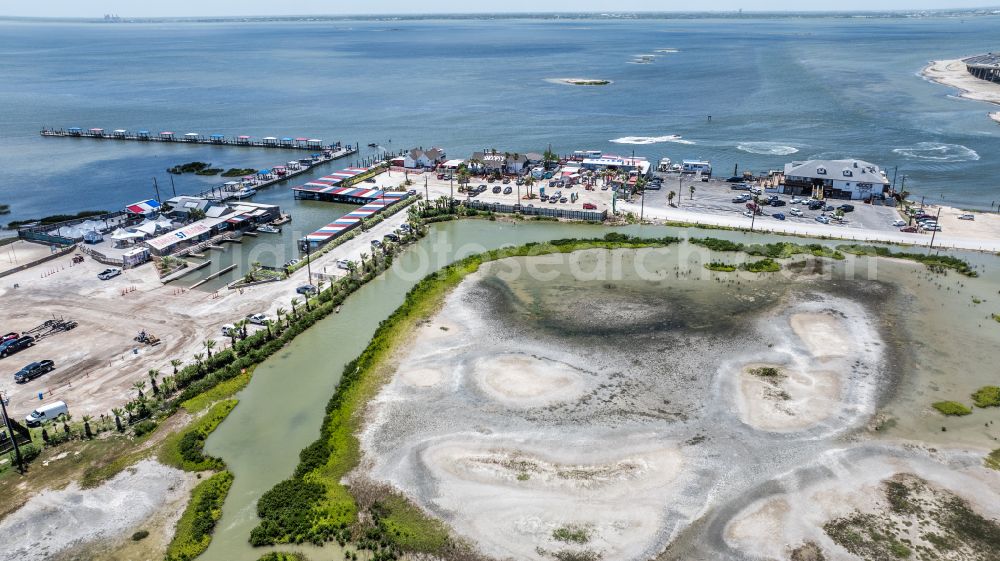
x=451 y=191
x=157 y=189
x=934 y=231
x=427 y=197
x=642 y=205
x=172 y=188
x=13 y=437
x=309 y=263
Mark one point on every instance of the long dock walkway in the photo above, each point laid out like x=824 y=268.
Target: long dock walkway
x=379 y=200
x=298 y=143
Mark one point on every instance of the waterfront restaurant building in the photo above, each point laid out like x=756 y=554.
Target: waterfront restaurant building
x=835 y=179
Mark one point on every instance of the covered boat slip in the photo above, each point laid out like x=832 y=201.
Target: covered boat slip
x=327 y=188
x=379 y=200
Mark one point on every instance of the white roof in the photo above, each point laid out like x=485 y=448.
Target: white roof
x=841 y=170
x=216 y=211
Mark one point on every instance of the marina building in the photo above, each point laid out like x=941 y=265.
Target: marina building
x=497 y=162
x=835 y=179
x=418 y=158
x=218 y=218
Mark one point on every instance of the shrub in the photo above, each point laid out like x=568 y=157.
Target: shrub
x=987 y=396
x=140 y=535
x=766 y=265
x=719 y=266
x=142 y=428
x=283 y=556
x=993 y=460
x=195 y=527
x=951 y=408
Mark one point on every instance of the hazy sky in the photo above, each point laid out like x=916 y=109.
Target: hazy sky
x=152 y=8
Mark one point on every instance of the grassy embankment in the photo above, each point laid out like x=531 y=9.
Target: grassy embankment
x=937 y=263
x=769 y=252
x=314 y=506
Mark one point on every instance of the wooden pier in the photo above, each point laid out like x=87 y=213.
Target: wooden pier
x=289 y=143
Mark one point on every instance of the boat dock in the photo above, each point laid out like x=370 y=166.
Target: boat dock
x=378 y=200
x=298 y=143
x=240 y=188
x=327 y=188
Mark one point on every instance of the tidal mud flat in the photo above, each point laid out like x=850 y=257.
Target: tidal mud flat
x=554 y=417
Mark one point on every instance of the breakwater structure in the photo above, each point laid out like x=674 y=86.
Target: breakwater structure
x=984 y=67
x=298 y=143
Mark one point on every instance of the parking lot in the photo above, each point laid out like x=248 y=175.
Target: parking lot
x=715 y=197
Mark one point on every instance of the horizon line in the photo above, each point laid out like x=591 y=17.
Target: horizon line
x=430 y=14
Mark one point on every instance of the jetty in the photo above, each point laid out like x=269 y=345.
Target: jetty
x=378 y=201
x=290 y=143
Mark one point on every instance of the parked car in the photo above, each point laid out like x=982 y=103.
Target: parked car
x=391 y=237
x=376 y=244
x=899 y=223
x=815 y=205
x=776 y=202
x=846 y=208
x=508 y=190
x=740 y=187
x=589 y=206
x=258 y=319
x=797 y=200
x=306 y=289
x=741 y=199
x=823 y=219
x=229 y=330
x=343 y=264
x=562 y=200
x=107 y=274
x=794 y=211
x=46 y=413
x=497 y=189
x=778 y=216
x=440 y=176
x=828 y=208
x=748 y=214
x=411 y=192
x=932 y=228
x=506 y=180
x=15 y=345
x=9 y=337
x=34 y=370
x=909 y=229
x=966 y=216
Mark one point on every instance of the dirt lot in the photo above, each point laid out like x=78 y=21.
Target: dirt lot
x=97 y=363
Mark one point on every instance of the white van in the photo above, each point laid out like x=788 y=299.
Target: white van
x=46 y=413
x=229 y=330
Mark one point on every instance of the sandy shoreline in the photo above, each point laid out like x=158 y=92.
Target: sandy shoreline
x=952 y=73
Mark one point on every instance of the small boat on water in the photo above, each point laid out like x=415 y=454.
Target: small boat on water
x=268 y=229
x=372 y=145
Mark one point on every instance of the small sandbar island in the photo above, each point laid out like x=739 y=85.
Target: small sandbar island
x=580 y=81
x=978 y=77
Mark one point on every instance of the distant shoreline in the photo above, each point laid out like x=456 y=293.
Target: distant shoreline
x=952 y=73
x=609 y=15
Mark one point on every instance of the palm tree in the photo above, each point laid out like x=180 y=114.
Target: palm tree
x=352 y=268
x=691 y=190
x=167 y=385
x=152 y=381
x=175 y=363
x=280 y=312
x=130 y=410
x=241 y=327
x=295 y=312
x=268 y=323
x=86 y=427
x=363 y=257
x=670 y=198
x=209 y=344
x=139 y=386
x=198 y=357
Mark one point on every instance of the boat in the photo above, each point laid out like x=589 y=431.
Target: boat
x=372 y=145
x=245 y=193
x=268 y=229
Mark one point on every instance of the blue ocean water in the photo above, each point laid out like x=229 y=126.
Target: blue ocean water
x=777 y=89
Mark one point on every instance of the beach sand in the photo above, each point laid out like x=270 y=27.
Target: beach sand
x=952 y=73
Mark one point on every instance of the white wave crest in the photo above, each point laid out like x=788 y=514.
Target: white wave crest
x=651 y=139
x=767 y=148
x=938 y=152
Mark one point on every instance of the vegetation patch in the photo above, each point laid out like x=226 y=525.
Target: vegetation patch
x=140 y=535
x=778 y=250
x=239 y=172
x=284 y=556
x=326 y=509
x=938 y=263
x=767 y=372
x=56 y=218
x=951 y=408
x=190 y=167
x=185 y=449
x=719 y=266
x=921 y=521
x=194 y=529
x=223 y=390
x=993 y=460
x=571 y=534
x=987 y=396
x=767 y=265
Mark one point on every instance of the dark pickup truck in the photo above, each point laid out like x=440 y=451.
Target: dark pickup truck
x=12 y=346
x=34 y=370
